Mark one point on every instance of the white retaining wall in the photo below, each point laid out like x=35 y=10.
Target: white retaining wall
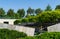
x=28 y=30
x=11 y=21
x=54 y=28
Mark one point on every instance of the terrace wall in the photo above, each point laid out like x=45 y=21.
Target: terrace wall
x=28 y=30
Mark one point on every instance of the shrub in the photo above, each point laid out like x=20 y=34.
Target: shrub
x=17 y=22
x=32 y=19
x=24 y=20
x=51 y=35
x=49 y=16
x=11 y=34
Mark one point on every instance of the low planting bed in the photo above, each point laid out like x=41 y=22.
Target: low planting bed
x=50 y=35
x=11 y=34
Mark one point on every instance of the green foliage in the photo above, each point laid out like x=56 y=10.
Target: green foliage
x=11 y=34
x=51 y=35
x=17 y=22
x=30 y=11
x=16 y=16
x=28 y=15
x=30 y=37
x=57 y=7
x=48 y=16
x=25 y=20
x=44 y=17
x=37 y=11
x=32 y=19
x=10 y=13
x=21 y=12
x=48 y=8
x=2 y=12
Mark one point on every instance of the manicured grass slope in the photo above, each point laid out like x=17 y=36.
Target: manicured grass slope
x=10 y=34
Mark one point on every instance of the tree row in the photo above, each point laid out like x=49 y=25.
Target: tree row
x=22 y=13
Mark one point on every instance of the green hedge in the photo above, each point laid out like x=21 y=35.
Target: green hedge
x=11 y=34
x=51 y=35
x=44 y=17
x=17 y=22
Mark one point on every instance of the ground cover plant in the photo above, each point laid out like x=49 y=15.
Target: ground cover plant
x=50 y=35
x=11 y=34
